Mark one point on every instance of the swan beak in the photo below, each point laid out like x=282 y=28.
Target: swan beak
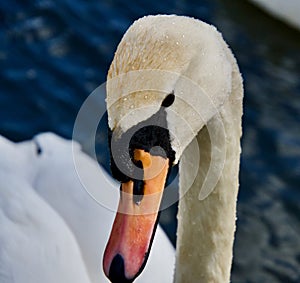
x=136 y=220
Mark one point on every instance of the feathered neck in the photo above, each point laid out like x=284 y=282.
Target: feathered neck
x=206 y=226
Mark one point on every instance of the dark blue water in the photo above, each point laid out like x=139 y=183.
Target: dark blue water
x=54 y=53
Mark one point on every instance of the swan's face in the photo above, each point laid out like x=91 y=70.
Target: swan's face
x=160 y=93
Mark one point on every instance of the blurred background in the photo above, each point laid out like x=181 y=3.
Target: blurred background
x=54 y=53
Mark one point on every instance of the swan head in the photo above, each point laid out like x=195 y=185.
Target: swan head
x=168 y=78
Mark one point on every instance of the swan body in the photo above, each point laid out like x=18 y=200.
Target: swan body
x=36 y=244
x=52 y=229
x=287 y=11
x=178 y=73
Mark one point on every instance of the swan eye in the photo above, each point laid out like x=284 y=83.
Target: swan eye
x=168 y=101
x=38 y=148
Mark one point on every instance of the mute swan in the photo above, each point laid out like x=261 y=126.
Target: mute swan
x=52 y=230
x=174 y=89
x=286 y=10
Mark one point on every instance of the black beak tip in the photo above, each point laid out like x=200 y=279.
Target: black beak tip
x=117 y=271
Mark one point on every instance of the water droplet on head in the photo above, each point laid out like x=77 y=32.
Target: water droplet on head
x=125 y=98
x=177 y=43
x=146 y=96
x=131 y=106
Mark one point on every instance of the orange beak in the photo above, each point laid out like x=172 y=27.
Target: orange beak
x=136 y=220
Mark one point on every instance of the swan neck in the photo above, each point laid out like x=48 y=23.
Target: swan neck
x=206 y=225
